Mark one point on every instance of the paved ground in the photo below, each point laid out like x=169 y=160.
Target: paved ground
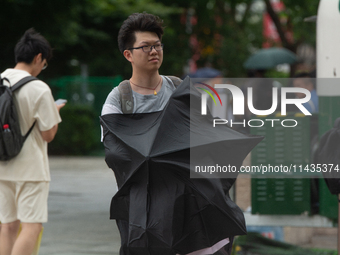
x=80 y=194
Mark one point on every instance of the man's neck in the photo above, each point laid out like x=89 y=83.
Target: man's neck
x=24 y=67
x=144 y=79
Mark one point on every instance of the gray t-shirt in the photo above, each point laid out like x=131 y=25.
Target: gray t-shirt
x=142 y=103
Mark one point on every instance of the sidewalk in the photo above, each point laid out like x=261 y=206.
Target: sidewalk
x=79 y=202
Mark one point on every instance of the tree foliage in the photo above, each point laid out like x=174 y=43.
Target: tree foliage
x=84 y=31
x=220 y=33
x=229 y=31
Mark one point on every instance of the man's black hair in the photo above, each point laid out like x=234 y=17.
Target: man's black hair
x=142 y=22
x=30 y=45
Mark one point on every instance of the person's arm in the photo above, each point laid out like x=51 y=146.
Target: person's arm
x=49 y=135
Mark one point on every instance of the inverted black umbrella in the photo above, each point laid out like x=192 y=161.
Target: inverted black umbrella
x=158 y=207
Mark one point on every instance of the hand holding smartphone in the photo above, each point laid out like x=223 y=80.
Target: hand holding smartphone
x=61 y=101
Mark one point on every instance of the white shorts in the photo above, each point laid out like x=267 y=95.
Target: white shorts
x=24 y=201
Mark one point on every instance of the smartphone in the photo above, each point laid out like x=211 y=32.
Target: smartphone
x=61 y=101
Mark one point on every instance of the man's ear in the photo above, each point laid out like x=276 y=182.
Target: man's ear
x=128 y=55
x=37 y=58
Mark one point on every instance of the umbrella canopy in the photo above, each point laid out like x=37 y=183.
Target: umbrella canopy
x=158 y=207
x=269 y=58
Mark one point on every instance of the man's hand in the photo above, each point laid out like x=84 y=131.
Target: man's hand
x=59 y=106
x=49 y=135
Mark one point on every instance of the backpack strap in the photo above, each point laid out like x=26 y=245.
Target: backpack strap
x=126 y=98
x=175 y=80
x=3 y=79
x=22 y=82
x=29 y=131
x=125 y=93
x=18 y=85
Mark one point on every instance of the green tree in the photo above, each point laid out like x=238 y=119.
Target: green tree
x=218 y=33
x=80 y=31
x=226 y=32
x=295 y=12
x=222 y=33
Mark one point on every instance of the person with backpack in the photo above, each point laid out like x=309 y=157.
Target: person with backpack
x=140 y=41
x=24 y=178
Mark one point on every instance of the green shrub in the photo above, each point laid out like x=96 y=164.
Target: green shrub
x=78 y=133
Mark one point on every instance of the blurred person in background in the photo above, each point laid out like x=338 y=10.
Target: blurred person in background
x=305 y=80
x=24 y=179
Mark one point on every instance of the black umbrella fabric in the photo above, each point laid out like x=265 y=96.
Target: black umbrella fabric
x=159 y=209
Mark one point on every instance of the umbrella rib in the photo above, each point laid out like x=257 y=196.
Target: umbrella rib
x=123 y=184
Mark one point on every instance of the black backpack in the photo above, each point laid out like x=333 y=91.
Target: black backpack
x=11 y=140
x=125 y=93
x=328 y=152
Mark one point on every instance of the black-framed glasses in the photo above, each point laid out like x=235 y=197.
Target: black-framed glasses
x=157 y=47
x=45 y=66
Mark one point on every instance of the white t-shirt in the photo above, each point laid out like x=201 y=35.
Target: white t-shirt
x=34 y=102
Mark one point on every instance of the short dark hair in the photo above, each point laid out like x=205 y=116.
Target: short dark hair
x=142 y=22
x=30 y=45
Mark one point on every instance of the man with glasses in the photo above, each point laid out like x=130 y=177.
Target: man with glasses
x=24 y=179
x=140 y=41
